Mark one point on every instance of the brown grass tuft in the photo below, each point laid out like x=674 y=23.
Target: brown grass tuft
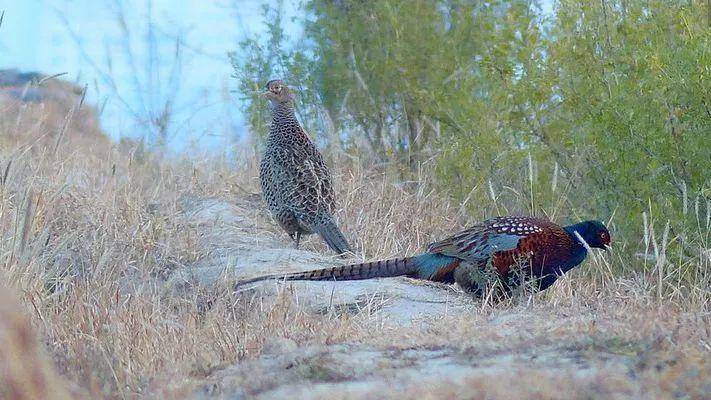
x=26 y=373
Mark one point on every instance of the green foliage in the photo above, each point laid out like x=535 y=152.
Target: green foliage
x=260 y=60
x=632 y=79
x=602 y=109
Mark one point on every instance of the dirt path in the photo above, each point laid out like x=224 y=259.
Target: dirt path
x=239 y=248
x=435 y=341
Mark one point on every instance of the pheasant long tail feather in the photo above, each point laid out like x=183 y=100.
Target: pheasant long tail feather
x=333 y=236
x=430 y=266
x=352 y=272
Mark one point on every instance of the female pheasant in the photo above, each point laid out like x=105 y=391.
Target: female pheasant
x=512 y=250
x=296 y=182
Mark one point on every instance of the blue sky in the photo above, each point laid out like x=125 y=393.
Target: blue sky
x=84 y=39
x=79 y=37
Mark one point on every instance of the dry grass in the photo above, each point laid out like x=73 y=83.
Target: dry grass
x=25 y=371
x=88 y=234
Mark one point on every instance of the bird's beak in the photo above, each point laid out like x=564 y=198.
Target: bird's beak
x=264 y=94
x=608 y=248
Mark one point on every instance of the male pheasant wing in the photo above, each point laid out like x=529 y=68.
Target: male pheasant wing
x=480 y=243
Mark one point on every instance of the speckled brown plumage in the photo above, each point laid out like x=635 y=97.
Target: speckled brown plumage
x=296 y=183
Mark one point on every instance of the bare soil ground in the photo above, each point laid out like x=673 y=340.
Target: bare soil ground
x=419 y=340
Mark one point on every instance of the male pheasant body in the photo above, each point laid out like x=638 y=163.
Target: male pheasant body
x=512 y=250
x=296 y=182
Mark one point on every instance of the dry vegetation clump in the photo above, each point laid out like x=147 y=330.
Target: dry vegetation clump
x=26 y=373
x=90 y=233
x=38 y=109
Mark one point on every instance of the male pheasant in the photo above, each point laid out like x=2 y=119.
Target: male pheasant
x=296 y=182
x=512 y=250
